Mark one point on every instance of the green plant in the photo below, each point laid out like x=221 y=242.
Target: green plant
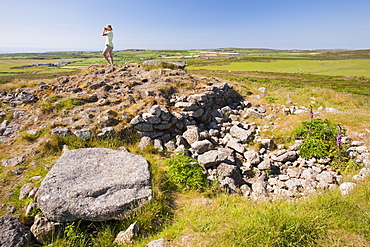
x=319 y=137
x=76 y=234
x=271 y=99
x=185 y=173
x=314 y=147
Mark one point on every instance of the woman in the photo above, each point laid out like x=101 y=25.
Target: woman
x=107 y=32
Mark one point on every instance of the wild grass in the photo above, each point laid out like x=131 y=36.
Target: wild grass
x=327 y=219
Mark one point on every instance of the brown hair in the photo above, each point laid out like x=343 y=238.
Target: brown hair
x=109 y=26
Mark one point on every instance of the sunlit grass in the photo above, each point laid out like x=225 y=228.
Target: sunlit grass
x=327 y=219
x=358 y=67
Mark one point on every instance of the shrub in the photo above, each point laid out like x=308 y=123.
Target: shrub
x=323 y=139
x=313 y=147
x=319 y=138
x=185 y=173
x=318 y=129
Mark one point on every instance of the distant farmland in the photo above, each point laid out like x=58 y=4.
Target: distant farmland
x=350 y=67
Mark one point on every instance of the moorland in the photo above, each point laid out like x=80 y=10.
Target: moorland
x=335 y=79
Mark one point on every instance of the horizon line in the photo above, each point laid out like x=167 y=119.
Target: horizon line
x=146 y=49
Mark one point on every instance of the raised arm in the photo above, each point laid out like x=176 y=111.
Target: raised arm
x=103 y=33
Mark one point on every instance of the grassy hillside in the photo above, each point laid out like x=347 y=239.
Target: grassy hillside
x=211 y=217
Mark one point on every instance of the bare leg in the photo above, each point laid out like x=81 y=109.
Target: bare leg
x=108 y=51
x=105 y=56
x=111 y=56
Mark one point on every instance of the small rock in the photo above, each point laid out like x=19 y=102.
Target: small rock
x=233 y=143
x=215 y=157
x=170 y=146
x=128 y=236
x=191 y=135
x=30 y=207
x=157 y=243
x=61 y=131
x=309 y=174
x=325 y=178
x=45 y=230
x=252 y=157
x=82 y=133
x=145 y=142
x=13 y=233
x=242 y=134
x=26 y=188
x=246 y=190
x=346 y=188
x=17 y=171
x=201 y=147
x=158 y=145
x=13 y=161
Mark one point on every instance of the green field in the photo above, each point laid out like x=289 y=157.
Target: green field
x=318 y=62
x=15 y=66
x=360 y=67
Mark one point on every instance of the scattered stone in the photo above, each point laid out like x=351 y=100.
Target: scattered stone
x=191 y=135
x=157 y=243
x=201 y=147
x=252 y=157
x=145 y=142
x=234 y=143
x=17 y=171
x=13 y=233
x=215 y=157
x=82 y=133
x=240 y=133
x=13 y=161
x=45 y=230
x=61 y=131
x=128 y=236
x=346 y=188
x=30 y=207
x=25 y=189
x=158 y=145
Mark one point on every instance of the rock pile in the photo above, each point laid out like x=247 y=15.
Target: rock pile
x=212 y=127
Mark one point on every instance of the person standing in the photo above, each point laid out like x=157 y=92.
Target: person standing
x=107 y=53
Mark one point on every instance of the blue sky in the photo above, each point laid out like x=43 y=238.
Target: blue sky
x=66 y=25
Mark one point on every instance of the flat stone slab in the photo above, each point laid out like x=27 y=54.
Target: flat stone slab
x=94 y=184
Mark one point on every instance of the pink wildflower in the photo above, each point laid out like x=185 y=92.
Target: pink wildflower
x=339 y=136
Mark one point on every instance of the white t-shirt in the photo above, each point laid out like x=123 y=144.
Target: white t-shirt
x=109 y=38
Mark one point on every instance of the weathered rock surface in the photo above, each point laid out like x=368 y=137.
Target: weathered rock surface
x=13 y=233
x=13 y=161
x=44 y=230
x=128 y=236
x=157 y=243
x=215 y=157
x=94 y=184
